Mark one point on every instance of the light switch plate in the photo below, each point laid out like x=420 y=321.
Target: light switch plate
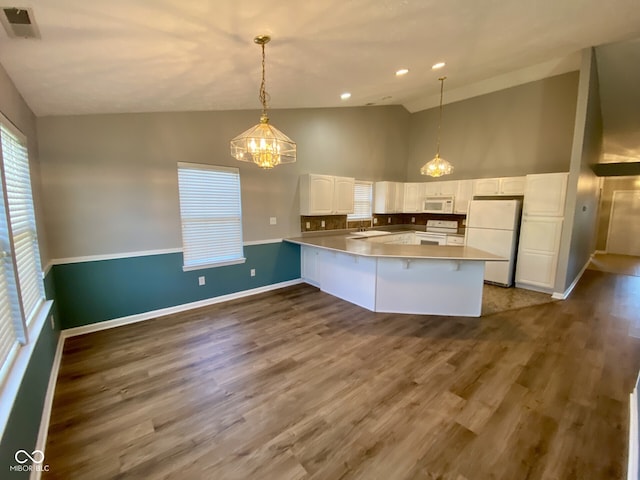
x=201 y=281
x=273 y=220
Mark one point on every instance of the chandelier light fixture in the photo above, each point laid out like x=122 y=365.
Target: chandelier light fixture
x=263 y=144
x=438 y=167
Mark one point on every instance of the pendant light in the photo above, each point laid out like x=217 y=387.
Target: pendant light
x=263 y=144
x=438 y=166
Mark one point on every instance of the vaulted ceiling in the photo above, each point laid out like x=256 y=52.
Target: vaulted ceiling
x=175 y=55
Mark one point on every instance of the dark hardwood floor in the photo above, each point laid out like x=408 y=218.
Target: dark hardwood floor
x=297 y=384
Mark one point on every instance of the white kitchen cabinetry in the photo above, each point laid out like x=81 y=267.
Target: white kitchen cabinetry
x=310 y=269
x=486 y=186
x=512 y=185
x=499 y=186
x=464 y=194
x=541 y=230
x=326 y=195
x=413 y=195
x=388 y=197
x=538 y=251
x=441 y=189
x=545 y=194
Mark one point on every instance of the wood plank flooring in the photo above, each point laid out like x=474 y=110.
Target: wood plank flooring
x=297 y=384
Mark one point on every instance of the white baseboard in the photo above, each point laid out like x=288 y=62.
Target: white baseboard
x=140 y=317
x=601 y=252
x=41 y=441
x=632 y=468
x=564 y=295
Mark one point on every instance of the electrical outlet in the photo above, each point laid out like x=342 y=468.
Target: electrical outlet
x=273 y=220
x=413 y=219
x=322 y=223
x=388 y=219
x=53 y=322
x=308 y=224
x=375 y=220
x=253 y=272
x=201 y=281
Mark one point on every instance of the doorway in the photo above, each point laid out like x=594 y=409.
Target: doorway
x=623 y=237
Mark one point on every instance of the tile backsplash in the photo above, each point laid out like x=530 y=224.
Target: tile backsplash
x=339 y=222
x=315 y=223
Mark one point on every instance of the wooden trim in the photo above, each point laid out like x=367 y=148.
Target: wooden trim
x=140 y=317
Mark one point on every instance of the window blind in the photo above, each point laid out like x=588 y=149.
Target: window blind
x=362 y=200
x=211 y=214
x=22 y=222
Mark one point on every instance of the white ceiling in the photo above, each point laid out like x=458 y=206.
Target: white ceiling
x=182 y=55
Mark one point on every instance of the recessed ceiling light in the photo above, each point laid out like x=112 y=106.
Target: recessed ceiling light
x=438 y=65
x=401 y=72
x=345 y=96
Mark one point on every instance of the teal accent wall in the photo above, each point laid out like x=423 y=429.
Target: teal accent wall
x=91 y=292
x=22 y=428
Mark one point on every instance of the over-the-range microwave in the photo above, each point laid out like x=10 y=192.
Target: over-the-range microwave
x=437 y=205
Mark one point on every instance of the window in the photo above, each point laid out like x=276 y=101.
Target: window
x=21 y=286
x=362 y=199
x=211 y=213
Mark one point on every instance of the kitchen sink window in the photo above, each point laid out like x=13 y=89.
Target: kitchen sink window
x=362 y=201
x=211 y=214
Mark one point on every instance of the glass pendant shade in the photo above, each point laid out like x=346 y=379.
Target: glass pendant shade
x=263 y=144
x=437 y=167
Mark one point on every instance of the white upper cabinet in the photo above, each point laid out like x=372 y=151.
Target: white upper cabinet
x=545 y=194
x=388 y=197
x=446 y=188
x=499 y=186
x=343 y=194
x=326 y=195
x=486 y=186
x=512 y=185
x=463 y=195
x=413 y=193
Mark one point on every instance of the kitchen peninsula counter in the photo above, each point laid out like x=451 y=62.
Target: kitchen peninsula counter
x=347 y=243
x=383 y=277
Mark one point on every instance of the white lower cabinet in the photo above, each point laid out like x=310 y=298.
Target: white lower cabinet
x=350 y=277
x=310 y=272
x=538 y=251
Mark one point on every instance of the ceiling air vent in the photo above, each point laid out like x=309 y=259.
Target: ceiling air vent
x=19 y=22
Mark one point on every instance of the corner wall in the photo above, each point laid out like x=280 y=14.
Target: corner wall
x=581 y=209
x=512 y=132
x=22 y=427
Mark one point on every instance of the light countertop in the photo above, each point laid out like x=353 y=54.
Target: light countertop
x=346 y=243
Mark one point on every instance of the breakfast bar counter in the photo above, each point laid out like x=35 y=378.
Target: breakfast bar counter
x=382 y=277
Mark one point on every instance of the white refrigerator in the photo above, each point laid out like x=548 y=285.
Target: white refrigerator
x=493 y=226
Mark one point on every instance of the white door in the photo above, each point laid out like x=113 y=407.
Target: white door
x=545 y=194
x=320 y=194
x=448 y=188
x=463 y=195
x=431 y=189
x=343 y=192
x=624 y=224
x=486 y=186
x=498 y=242
x=538 y=251
x=399 y=201
x=412 y=197
x=512 y=185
